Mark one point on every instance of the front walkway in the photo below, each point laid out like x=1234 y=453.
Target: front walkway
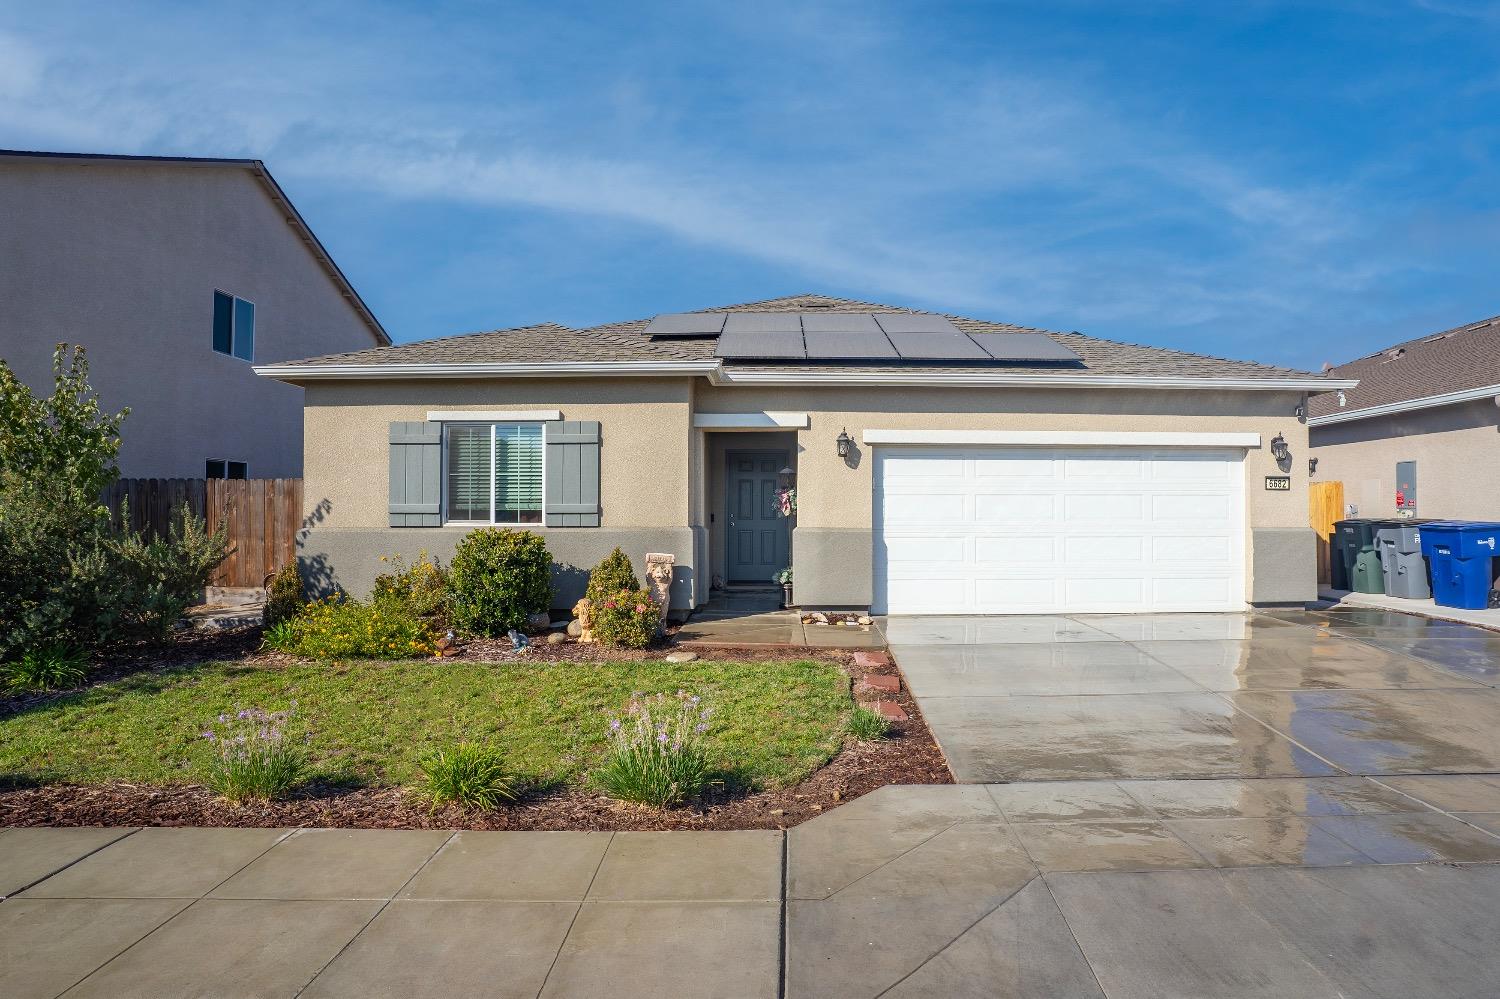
x=756 y=619
x=1307 y=888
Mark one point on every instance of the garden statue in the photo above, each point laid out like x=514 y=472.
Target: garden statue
x=583 y=614
x=659 y=568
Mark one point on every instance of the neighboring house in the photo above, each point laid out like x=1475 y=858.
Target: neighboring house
x=940 y=466
x=1423 y=424
x=177 y=275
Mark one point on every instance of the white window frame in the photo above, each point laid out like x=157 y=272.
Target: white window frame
x=227 y=462
x=492 y=425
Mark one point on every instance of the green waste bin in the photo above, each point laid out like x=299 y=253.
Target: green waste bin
x=1366 y=575
x=1350 y=537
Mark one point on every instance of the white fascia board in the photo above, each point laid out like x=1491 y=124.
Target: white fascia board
x=1019 y=379
x=1407 y=405
x=493 y=415
x=546 y=369
x=1061 y=438
x=750 y=421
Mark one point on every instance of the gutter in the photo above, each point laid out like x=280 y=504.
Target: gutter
x=540 y=369
x=1406 y=405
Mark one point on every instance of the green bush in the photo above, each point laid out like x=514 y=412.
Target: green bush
x=254 y=760
x=611 y=576
x=339 y=628
x=468 y=775
x=50 y=667
x=420 y=589
x=627 y=620
x=284 y=596
x=656 y=754
x=69 y=573
x=498 y=576
x=867 y=725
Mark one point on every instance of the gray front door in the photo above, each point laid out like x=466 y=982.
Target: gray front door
x=757 y=534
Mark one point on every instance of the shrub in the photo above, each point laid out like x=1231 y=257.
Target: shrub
x=656 y=755
x=467 y=775
x=284 y=596
x=156 y=580
x=50 y=667
x=627 y=620
x=281 y=636
x=868 y=725
x=420 y=589
x=253 y=757
x=498 y=577
x=339 y=628
x=611 y=576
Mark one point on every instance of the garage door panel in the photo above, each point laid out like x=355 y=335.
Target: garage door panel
x=1048 y=530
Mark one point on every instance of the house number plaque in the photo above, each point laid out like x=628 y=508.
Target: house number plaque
x=1279 y=483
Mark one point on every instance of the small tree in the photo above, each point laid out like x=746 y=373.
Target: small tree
x=611 y=576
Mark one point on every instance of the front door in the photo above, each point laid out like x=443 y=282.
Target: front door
x=758 y=535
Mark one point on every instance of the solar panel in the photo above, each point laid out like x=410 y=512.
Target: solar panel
x=912 y=322
x=765 y=322
x=953 y=346
x=839 y=322
x=760 y=344
x=1023 y=347
x=686 y=324
x=849 y=345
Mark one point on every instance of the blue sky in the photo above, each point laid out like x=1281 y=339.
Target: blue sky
x=1291 y=183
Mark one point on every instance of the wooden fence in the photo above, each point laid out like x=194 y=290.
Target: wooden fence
x=1325 y=504
x=261 y=516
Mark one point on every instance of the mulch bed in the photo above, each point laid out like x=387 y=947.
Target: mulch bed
x=909 y=756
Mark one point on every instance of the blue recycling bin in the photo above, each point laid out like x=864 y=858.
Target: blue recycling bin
x=1461 y=556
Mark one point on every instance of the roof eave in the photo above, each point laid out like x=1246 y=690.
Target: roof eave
x=1407 y=405
x=549 y=369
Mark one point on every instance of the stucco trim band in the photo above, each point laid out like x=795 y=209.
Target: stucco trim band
x=750 y=421
x=493 y=415
x=1062 y=438
x=1407 y=405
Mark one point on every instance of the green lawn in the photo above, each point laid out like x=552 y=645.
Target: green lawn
x=773 y=724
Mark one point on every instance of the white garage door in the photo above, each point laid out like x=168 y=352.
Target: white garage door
x=1011 y=530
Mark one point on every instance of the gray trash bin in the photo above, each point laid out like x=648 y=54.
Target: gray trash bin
x=1401 y=562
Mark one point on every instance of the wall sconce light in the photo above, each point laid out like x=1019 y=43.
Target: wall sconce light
x=1279 y=450
x=1312 y=466
x=1300 y=411
x=845 y=443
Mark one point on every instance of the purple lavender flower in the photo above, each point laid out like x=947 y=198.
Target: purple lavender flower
x=662 y=738
x=614 y=725
x=209 y=736
x=700 y=728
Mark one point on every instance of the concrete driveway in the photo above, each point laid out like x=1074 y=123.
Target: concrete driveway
x=1300 y=694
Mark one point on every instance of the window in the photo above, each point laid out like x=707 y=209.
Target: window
x=234 y=326
x=494 y=473
x=221 y=468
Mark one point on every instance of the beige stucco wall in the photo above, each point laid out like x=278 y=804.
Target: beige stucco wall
x=124 y=259
x=644 y=458
x=833 y=495
x=1456 y=448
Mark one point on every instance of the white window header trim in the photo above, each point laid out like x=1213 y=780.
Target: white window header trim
x=493 y=415
x=750 y=421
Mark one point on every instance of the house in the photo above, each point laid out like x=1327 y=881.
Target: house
x=178 y=275
x=1420 y=433
x=941 y=464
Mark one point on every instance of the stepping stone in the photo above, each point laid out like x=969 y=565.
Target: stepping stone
x=681 y=657
x=870 y=660
x=891 y=710
x=881 y=682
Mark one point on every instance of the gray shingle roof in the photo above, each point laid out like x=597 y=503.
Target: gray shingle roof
x=625 y=341
x=1465 y=357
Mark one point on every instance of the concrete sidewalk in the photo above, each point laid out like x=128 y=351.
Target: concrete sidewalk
x=1295 y=887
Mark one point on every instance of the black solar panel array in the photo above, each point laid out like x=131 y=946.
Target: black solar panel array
x=855 y=336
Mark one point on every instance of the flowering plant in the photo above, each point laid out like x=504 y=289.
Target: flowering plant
x=656 y=753
x=339 y=628
x=783 y=576
x=629 y=619
x=253 y=757
x=784 y=501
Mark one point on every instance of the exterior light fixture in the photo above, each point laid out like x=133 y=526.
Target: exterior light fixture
x=845 y=443
x=1312 y=466
x=1343 y=399
x=1300 y=411
x=1279 y=450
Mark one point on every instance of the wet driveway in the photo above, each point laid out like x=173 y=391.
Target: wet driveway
x=1295 y=694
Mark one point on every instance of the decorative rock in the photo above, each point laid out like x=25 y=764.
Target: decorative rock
x=574 y=628
x=870 y=660
x=866 y=619
x=681 y=657
x=817 y=617
x=556 y=638
x=880 y=681
x=539 y=622
x=891 y=710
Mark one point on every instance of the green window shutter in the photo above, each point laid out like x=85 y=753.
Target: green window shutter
x=572 y=473
x=416 y=497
